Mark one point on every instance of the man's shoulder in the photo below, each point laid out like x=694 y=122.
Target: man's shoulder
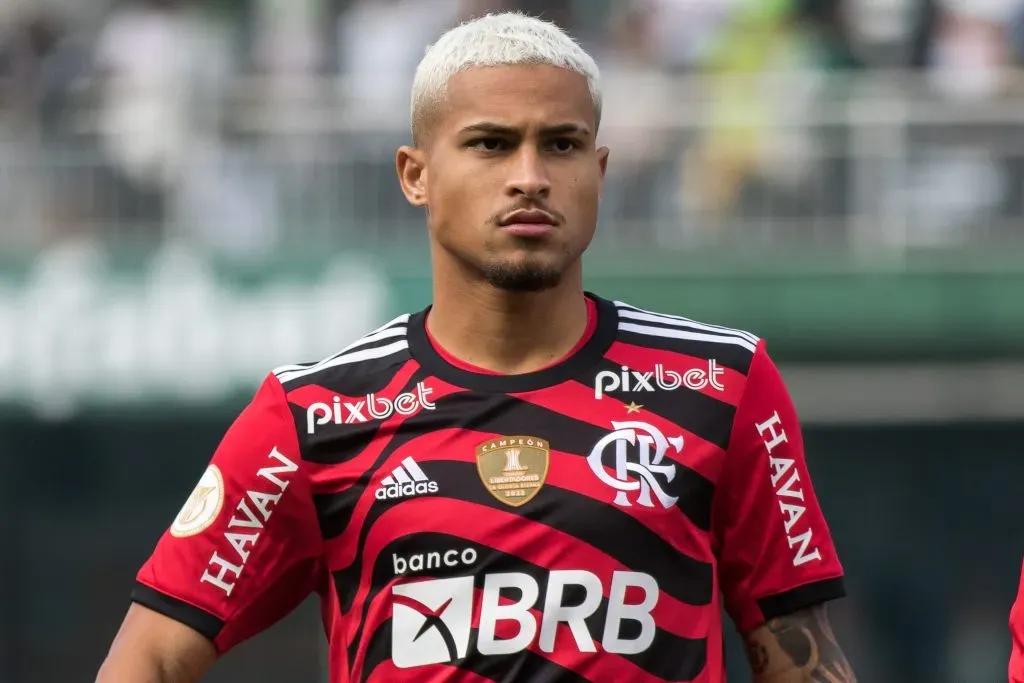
x=380 y=352
x=731 y=347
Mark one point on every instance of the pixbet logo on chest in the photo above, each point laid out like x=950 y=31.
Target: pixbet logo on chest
x=370 y=407
x=632 y=381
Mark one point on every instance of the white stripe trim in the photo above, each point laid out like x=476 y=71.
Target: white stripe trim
x=351 y=357
x=679 y=324
x=414 y=469
x=400 y=320
x=627 y=311
x=383 y=332
x=400 y=476
x=376 y=336
x=683 y=334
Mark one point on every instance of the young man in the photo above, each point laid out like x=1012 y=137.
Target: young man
x=522 y=482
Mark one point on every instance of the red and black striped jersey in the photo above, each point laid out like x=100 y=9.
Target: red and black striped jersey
x=585 y=522
x=1017 y=635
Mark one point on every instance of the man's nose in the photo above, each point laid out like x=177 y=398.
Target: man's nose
x=529 y=175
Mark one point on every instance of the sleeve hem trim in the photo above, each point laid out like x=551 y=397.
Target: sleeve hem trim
x=200 y=620
x=802 y=597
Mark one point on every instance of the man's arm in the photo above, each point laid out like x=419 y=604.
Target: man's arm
x=777 y=563
x=152 y=648
x=797 y=648
x=242 y=553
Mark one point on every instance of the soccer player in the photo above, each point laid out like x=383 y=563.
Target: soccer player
x=524 y=481
x=1017 y=635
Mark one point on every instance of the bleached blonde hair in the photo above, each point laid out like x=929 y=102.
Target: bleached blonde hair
x=505 y=39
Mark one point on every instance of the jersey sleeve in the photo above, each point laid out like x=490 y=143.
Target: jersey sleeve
x=245 y=548
x=775 y=551
x=1017 y=635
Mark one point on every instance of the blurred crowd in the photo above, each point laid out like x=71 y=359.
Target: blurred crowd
x=261 y=129
x=245 y=125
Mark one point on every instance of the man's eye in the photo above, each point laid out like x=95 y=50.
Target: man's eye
x=564 y=145
x=488 y=144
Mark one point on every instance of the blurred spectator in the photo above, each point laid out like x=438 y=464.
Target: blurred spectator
x=956 y=181
x=40 y=64
x=162 y=68
x=971 y=52
x=381 y=41
x=636 y=121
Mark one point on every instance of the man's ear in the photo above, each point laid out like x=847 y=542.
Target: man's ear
x=410 y=163
x=602 y=160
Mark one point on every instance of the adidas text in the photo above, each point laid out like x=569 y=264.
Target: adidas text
x=402 y=490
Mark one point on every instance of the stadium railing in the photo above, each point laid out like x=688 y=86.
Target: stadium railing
x=846 y=218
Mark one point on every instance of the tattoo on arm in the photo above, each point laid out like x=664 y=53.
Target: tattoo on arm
x=798 y=648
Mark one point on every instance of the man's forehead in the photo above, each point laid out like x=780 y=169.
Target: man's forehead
x=516 y=79
x=519 y=97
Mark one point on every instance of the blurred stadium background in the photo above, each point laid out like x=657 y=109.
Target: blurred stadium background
x=195 y=192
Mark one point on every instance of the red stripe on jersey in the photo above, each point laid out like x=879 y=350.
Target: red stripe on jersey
x=594 y=666
x=577 y=401
x=329 y=474
x=644 y=359
x=387 y=672
x=567 y=471
x=535 y=542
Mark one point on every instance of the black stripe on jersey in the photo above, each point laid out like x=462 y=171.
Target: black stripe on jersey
x=697 y=413
x=601 y=525
x=198 y=619
x=669 y=656
x=498 y=414
x=732 y=356
x=802 y=597
x=399 y=323
x=333 y=444
x=346 y=377
x=521 y=667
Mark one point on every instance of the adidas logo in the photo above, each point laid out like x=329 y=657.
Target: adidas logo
x=405 y=480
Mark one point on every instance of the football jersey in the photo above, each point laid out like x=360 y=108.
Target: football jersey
x=584 y=522
x=1017 y=635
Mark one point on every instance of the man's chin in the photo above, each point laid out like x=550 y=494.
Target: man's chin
x=522 y=277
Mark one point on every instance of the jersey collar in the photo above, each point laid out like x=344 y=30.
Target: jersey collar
x=585 y=358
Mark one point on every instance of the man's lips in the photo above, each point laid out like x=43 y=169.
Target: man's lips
x=529 y=223
x=529 y=217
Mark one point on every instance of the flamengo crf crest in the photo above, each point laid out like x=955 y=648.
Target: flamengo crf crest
x=513 y=468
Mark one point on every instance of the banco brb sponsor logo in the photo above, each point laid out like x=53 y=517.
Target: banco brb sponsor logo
x=431 y=620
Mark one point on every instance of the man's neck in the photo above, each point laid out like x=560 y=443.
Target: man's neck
x=507 y=332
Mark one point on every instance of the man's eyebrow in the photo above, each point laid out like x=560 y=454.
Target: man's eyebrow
x=547 y=131
x=565 y=129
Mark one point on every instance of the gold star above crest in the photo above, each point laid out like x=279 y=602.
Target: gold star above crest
x=633 y=407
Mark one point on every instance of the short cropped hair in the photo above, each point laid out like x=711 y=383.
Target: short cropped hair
x=506 y=39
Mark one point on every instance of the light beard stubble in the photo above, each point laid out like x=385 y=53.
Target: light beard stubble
x=521 y=277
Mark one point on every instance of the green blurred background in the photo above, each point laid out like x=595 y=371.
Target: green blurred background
x=194 y=193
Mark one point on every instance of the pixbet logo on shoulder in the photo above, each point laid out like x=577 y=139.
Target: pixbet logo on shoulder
x=370 y=407
x=630 y=381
